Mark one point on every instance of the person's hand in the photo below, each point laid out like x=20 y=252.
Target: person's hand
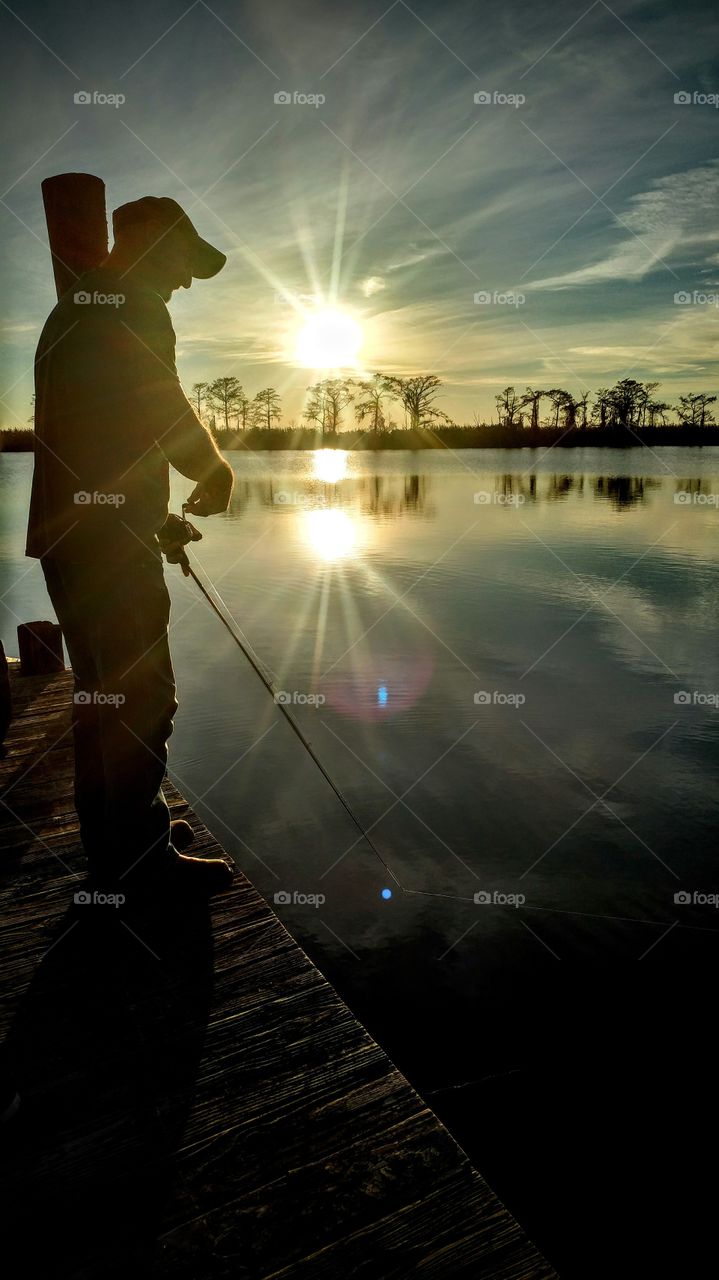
x=174 y=536
x=212 y=495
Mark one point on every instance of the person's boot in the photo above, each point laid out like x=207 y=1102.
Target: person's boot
x=177 y=876
x=181 y=834
x=197 y=876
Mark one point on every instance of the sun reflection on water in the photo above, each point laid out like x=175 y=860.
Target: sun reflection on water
x=329 y=465
x=332 y=534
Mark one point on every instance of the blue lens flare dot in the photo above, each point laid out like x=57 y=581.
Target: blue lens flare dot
x=386 y=893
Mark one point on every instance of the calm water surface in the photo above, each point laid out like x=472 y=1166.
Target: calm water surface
x=485 y=649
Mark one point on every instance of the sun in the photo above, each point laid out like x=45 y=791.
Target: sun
x=328 y=339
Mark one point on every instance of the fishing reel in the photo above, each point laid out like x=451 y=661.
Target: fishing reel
x=174 y=536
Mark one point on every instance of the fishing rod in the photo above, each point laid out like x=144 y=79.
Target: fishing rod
x=178 y=539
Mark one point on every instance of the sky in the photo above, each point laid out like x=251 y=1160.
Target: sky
x=576 y=198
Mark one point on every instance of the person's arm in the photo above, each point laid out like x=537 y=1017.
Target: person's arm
x=173 y=424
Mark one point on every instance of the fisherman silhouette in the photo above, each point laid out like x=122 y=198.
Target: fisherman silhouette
x=110 y=415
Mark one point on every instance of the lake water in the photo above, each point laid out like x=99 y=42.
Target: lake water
x=485 y=649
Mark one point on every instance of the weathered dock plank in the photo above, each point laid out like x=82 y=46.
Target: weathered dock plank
x=197 y=1101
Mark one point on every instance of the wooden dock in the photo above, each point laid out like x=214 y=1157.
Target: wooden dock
x=197 y=1101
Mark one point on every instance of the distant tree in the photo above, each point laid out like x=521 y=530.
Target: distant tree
x=583 y=406
x=558 y=397
x=693 y=409
x=657 y=409
x=508 y=403
x=314 y=410
x=601 y=407
x=267 y=407
x=370 y=401
x=532 y=397
x=243 y=410
x=327 y=400
x=417 y=396
x=568 y=407
x=222 y=396
x=626 y=401
x=644 y=399
x=198 y=392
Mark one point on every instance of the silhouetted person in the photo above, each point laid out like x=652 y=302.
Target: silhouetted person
x=110 y=415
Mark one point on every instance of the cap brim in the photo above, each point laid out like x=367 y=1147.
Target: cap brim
x=206 y=260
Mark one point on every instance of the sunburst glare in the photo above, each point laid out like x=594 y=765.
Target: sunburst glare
x=328 y=339
x=329 y=465
x=331 y=534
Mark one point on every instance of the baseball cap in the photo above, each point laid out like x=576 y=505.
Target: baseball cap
x=158 y=216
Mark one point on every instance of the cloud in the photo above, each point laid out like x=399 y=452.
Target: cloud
x=373 y=284
x=420 y=255
x=678 y=212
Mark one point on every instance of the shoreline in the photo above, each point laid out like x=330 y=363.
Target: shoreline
x=301 y=439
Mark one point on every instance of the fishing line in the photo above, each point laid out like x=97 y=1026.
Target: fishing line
x=189 y=572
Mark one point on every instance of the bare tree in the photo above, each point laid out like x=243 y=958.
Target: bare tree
x=370 y=401
x=657 y=409
x=508 y=403
x=559 y=398
x=198 y=392
x=643 y=399
x=583 y=404
x=532 y=397
x=244 y=411
x=625 y=404
x=222 y=397
x=417 y=396
x=327 y=401
x=693 y=409
x=602 y=403
x=267 y=407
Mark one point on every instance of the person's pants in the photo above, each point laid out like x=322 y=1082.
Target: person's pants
x=115 y=624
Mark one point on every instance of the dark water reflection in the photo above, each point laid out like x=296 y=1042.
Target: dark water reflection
x=577 y=593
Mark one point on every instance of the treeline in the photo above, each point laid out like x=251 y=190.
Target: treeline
x=401 y=413
x=225 y=406
x=629 y=404
x=385 y=404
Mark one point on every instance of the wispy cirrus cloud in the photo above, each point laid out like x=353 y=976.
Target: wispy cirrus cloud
x=676 y=215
